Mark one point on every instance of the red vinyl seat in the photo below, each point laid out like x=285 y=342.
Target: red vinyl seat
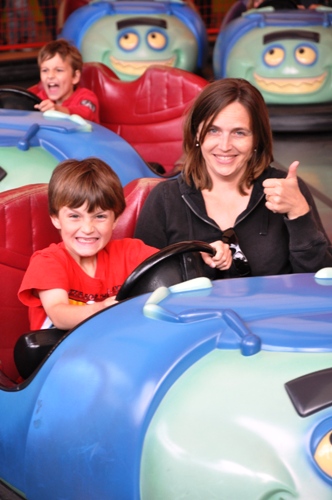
x=25 y=227
x=147 y=112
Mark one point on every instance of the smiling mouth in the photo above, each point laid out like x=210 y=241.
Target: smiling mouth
x=52 y=88
x=224 y=157
x=86 y=240
x=290 y=85
x=138 y=67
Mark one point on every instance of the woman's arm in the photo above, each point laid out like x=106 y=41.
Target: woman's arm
x=309 y=245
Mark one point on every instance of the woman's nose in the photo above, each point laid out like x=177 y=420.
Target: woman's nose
x=225 y=142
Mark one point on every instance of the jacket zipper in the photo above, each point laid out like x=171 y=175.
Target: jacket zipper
x=187 y=202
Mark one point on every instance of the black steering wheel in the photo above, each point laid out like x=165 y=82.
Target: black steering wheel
x=12 y=97
x=165 y=268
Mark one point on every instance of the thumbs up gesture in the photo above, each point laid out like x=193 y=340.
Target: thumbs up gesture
x=283 y=196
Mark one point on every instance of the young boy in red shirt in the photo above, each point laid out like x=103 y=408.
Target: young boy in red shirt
x=60 y=65
x=67 y=282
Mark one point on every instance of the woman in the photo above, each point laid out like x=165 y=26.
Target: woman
x=229 y=194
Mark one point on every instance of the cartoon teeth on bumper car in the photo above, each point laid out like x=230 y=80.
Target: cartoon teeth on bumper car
x=287 y=55
x=129 y=36
x=33 y=143
x=197 y=390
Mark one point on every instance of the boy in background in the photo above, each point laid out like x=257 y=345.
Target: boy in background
x=60 y=65
x=67 y=282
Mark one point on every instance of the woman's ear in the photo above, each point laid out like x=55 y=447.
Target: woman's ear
x=55 y=221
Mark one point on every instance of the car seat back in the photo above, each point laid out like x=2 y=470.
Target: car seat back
x=25 y=227
x=147 y=112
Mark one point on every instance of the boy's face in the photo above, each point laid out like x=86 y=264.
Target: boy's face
x=84 y=234
x=58 y=79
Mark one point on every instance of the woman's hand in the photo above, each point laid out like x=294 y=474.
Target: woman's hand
x=223 y=257
x=283 y=196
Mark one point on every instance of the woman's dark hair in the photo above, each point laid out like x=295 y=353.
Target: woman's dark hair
x=208 y=104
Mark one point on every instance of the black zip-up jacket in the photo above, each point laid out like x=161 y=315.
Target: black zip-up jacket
x=273 y=244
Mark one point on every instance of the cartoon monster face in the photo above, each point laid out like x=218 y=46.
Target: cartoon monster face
x=228 y=429
x=288 y=65
x=130 y=44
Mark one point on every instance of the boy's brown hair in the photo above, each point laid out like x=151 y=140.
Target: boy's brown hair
x=91 y=181
x=65 y=50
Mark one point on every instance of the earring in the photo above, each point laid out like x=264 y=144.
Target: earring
x=197 y=144
x=255 y=150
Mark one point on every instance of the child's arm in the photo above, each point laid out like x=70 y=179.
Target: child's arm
x=47 y=104
x=82 y=102
x=65 y=315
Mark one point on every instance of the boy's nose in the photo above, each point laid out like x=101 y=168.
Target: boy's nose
x=88 y=227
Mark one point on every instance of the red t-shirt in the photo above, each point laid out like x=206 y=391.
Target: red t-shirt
x=53 y=267
x=82 y=102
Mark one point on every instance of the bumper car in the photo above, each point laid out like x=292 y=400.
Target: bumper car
x=193 y=390
x=33 y=143
x=129 y=36
x=287 y=55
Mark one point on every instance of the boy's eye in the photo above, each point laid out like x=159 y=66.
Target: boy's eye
x=101 y=216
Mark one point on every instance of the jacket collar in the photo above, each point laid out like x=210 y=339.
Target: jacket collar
x=195 y=199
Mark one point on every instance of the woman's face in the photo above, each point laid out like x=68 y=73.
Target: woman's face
x=228 y=144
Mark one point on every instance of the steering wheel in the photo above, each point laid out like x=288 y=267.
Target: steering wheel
x=12 y=97
x=165 y=268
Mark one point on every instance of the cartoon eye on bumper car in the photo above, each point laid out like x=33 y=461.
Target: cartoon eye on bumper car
x=287 y=56
x=218 y=390
x=32 y=143
x=130 y=36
